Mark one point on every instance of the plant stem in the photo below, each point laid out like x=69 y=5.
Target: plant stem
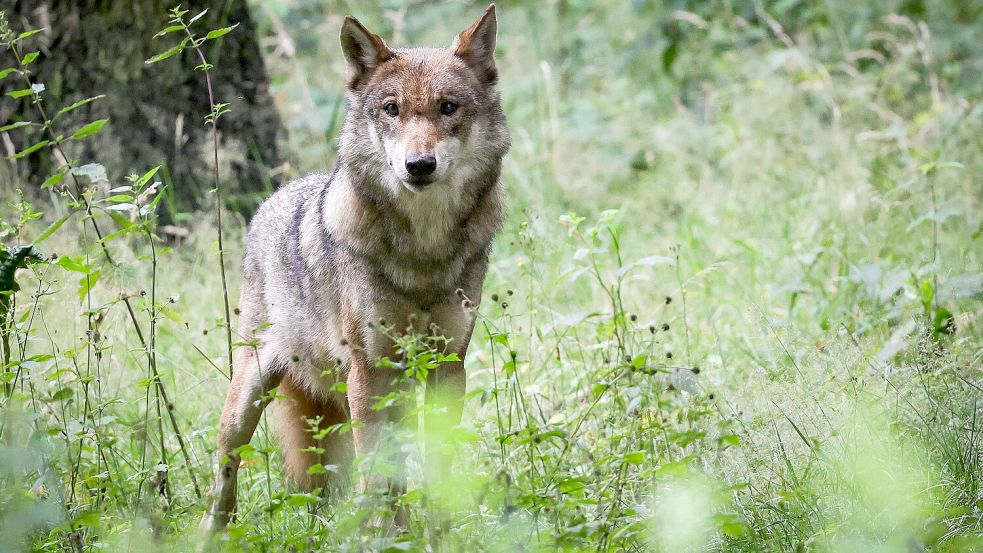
x=218 y=195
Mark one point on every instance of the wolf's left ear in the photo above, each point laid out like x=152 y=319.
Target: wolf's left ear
x=363 y=50
x=476 y=46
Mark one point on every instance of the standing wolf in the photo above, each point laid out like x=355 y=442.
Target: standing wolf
x=398 y=232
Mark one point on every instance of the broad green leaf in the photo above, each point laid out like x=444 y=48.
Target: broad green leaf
x=16 y=125
x=52 y=180
x=220 y=32
x=89 y=129
x=28 y=58
x=26 y=34
x=20 y=93
x=5 y=72
x=166 y=54
x=76 y=264
x=30 y=150
x=169 y=29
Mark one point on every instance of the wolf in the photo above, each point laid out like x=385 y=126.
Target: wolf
x=399 y=233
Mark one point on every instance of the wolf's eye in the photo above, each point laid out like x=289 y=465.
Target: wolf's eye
x=448 y=108
x=391 y=109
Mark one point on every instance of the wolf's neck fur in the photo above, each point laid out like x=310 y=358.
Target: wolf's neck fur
x=370 y=213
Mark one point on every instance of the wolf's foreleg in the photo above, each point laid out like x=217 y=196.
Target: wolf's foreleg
x=366 y=384
x=254 y=375
x=444 y=405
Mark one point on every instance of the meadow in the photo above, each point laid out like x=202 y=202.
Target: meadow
x=735 y=306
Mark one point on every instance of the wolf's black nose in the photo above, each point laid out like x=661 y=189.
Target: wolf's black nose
x=420 y=165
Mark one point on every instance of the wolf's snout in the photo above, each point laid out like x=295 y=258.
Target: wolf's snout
x=420 y=165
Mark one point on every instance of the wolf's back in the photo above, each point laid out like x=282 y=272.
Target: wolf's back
x=269 y=240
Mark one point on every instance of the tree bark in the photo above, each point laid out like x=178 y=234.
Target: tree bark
x=157 y=112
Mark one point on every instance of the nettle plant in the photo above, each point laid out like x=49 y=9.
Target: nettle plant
x=78 y=453
x=588 y=411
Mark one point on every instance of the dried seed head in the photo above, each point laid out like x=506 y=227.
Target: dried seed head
x=204 y=332
x=344 y=342
x=696 y=370
x=382 y=321
x=668 y=355
x=652 y=329
x=459 y=292
x=467 y=304
x=494 y=298
x=633 y=317
x=668 y=300
x=505 y=305
x=294 y=358
x=711 y=397
x=665 y=327
x=509 y=292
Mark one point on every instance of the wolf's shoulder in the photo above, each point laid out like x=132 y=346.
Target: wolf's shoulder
x=289 y=197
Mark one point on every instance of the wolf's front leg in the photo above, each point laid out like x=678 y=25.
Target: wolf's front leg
x=375 y=429
x=444 y=404
x=254 y=375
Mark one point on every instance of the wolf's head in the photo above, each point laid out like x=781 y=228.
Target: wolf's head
x=423 y=119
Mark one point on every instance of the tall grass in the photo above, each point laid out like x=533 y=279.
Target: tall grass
x=735 y=306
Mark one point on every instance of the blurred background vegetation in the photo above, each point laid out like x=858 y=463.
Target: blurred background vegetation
x=785 y=198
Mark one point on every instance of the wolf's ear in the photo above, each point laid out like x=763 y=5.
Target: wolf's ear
x=363 y=50
x=476 y=46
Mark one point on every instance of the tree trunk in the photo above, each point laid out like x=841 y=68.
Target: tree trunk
x=157 y=112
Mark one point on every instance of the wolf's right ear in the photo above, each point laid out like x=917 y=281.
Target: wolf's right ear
x=363 y=51
x=476 y=46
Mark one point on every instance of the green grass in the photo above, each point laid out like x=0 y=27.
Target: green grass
x=734 y=243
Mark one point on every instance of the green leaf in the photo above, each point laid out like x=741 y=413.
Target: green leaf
x=146 y=177
x=26 y=34
x=30 y=150
x=571 y=486
x=5 y=72
x=166 y=54
x=635 y=457
x=943 y=323
x=28 y=58
x=20 y=93
x=70 y=263
x=173 y=315
x=52 y=180
x=89 y=129
x=16 y=125
x=197 y=17
x=220 y=32
x=78 y=104
x=87 y=283
x=669 y=56
x=51 y=228
x=301 y=499
x=169 y=29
